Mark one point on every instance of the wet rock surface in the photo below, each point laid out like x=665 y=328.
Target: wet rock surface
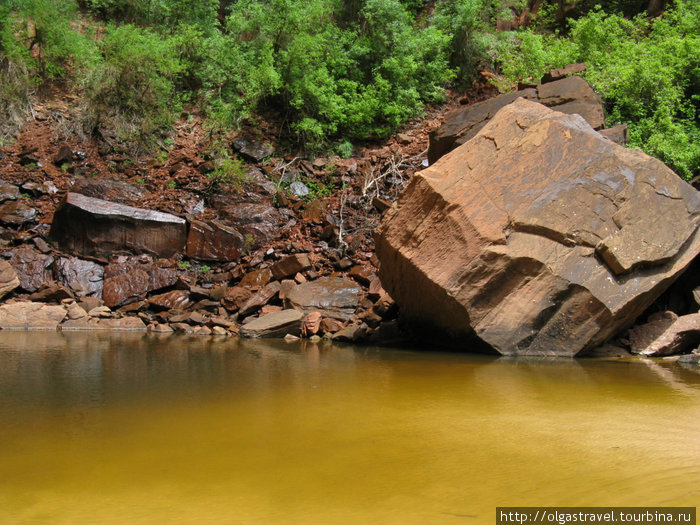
x=538 y=236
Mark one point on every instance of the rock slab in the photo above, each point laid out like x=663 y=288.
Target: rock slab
x=333 y=296
x=275 y=324
x=666 y=335
x=568 y=95
x=538 y=236
x=95 y=227
x=27 y=315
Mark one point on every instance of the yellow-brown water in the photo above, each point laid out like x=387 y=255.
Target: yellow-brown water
x=108 y=429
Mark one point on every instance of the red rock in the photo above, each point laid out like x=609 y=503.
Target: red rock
x=285 y=286
x=350 y=334
x=464 y=123
x=63 y=155
x=569 y=95
x=108 y=189
x=538 y=236
x=16 y=213
x=290 y=265
x=385 y=306
x=8 y=278
x=51 y=292
x=257 y=278
x=29 y=315
x=334 y=297
x=276 y=324
x=124 y=324
x=94 y=227
x=159 y=277
x=666 y=334
x=617 y=134
x=563 y=72
x=176 y=299
x=261 y=298
x=375 y=289
x=125 y=288
x=213 y=241
x=361 y=274
x=311 y=324
x=269 y=308
x=330 y=325
x=31 y=267
x=8 y=191
x=236 y=296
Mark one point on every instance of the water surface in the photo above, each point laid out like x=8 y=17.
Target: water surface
x=112 y=429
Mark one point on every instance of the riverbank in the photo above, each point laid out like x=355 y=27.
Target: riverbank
x=269 y=246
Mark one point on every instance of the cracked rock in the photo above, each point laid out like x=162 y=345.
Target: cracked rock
x=548 y=245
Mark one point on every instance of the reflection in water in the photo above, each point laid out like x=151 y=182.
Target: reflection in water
x=114 y=428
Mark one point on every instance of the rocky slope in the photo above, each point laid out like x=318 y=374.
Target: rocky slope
x=91 y=239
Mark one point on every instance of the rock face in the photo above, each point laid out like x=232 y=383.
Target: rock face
x=95 y=227
x=568 y=95
x=539 y=236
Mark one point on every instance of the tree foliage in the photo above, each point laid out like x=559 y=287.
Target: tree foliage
x=648 y=72
x=340 y=71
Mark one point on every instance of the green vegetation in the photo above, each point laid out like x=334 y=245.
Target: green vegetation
x=648 y=72
x=340 y=71
x=228 y=170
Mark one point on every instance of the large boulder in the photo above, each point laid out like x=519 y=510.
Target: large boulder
x=568 y=95
x=538 y=236
x=95 y=227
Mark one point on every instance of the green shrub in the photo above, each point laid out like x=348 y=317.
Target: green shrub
x=357 y=69
x=648 y=72
x=130 y=92
x=40 y=41
x=165 y=13
x=462 y=21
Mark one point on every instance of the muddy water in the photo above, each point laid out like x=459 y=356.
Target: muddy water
x=98 y=428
